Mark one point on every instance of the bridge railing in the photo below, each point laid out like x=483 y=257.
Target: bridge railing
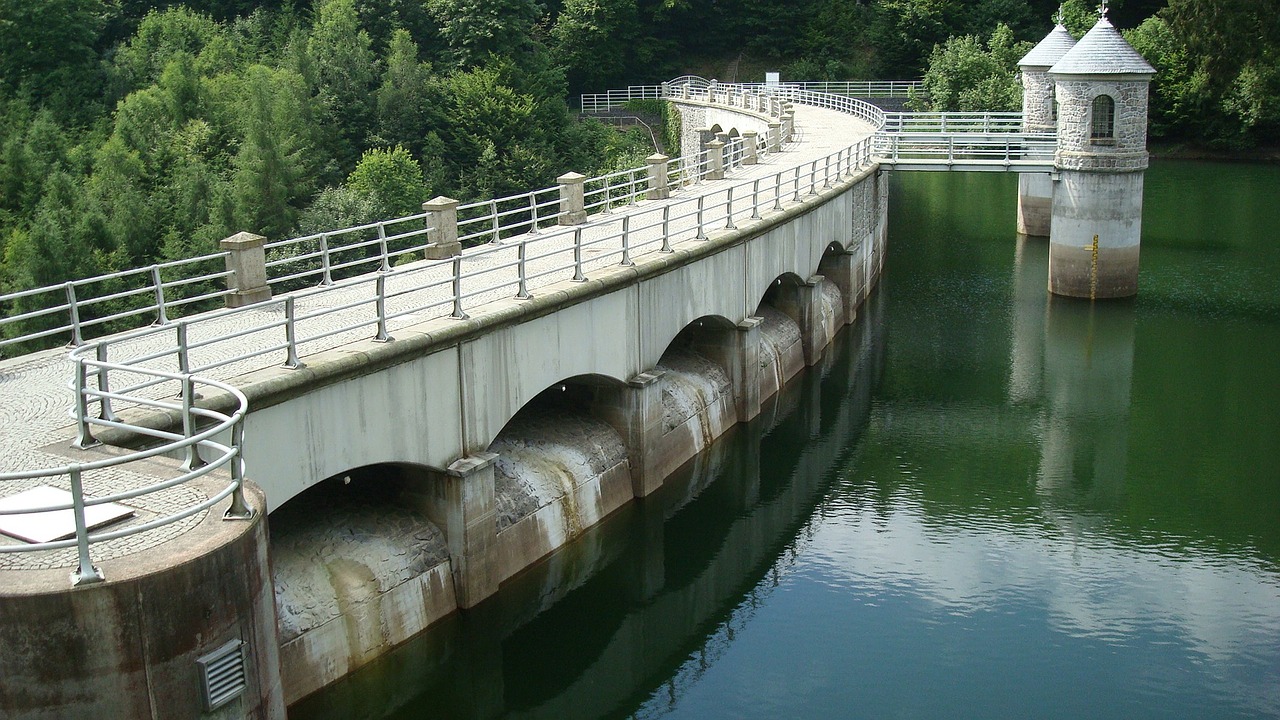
x=91 y=483
x=614 y=99
x=953 y=122
x=81 y=308
x=965 y=148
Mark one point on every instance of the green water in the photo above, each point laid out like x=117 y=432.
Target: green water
x=986 y=503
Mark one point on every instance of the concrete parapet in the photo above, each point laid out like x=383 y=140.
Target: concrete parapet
x=572 y=198
x=442 y=219
x=657 y=175
x=131 y=647
x=247 y=263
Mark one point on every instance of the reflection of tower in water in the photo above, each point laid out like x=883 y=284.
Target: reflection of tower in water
x=1088 y=373
x=1078 y=356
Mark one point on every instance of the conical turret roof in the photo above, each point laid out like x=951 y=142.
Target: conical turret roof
x=1102 y=51
x=1050 y=50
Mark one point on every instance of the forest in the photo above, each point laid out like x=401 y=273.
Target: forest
x=133 y=131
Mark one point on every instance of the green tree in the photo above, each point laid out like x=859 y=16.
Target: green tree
x=392 y=181
x=272 y=174
x=595 y=40
x=964 y=75
x=403 y=97
x=345 y=72
x=161 y=37
x=476 y=29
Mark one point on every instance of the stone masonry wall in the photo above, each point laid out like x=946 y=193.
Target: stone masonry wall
x=1037 y=101
x=1076 y=151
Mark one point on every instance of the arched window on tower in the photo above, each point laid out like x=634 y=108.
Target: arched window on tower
x=1104 y=120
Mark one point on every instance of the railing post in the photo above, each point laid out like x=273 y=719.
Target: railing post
x=86 y=573
x=157 y=286
x=247 y=263
x=750 y=147
x=715 y=160
x=523 y=292
x=666 y=229
x=385 y=265
x=84 y=437
x=729 y=211
x=380 y=284
x=777 y=191
x=193 y=460
x=572 y=202
x=104 y=383
x=578 y=275
x=326 y=277
x=533 y=212
x=657 y=174
x=442 y=220
x=458 y=314
x=77 y=339
x=626 y=240
x=755 y=200
x=239 y=509
x=290 y=335
x=496 y=224
x=702 y=235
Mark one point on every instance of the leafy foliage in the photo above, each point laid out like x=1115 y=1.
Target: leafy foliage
x=964 y=75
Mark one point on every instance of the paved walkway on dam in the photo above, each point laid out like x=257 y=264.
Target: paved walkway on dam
x=36 y=427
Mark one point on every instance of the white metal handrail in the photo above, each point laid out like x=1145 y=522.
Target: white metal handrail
x=965 y=148
x=201 y=429
x=953 y=122
x=89 y=304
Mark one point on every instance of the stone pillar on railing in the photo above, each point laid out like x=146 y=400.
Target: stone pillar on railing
x=715 y=160
x=665 y=90
x=572 y=200
x=788 y=124
x=750 y=147
x=247 y=263
x=775 y=136
x=723 y=137
x=442 y=219
x=658 y=189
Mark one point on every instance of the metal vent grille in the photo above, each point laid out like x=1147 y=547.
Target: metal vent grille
x=222 y=675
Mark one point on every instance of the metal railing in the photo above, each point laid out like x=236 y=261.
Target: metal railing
x=201 y=429
x=614 y=99
x=79 y=308
x=953 y=122
x=965 y=149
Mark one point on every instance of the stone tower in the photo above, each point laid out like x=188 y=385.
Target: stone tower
x=1039 y=115
x=1101 y=86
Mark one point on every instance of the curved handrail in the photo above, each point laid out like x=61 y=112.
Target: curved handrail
x=201 y=428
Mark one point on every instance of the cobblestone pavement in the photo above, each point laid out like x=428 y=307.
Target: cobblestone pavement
x=35 y=400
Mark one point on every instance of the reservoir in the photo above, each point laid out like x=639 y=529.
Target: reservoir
x=984 y=502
